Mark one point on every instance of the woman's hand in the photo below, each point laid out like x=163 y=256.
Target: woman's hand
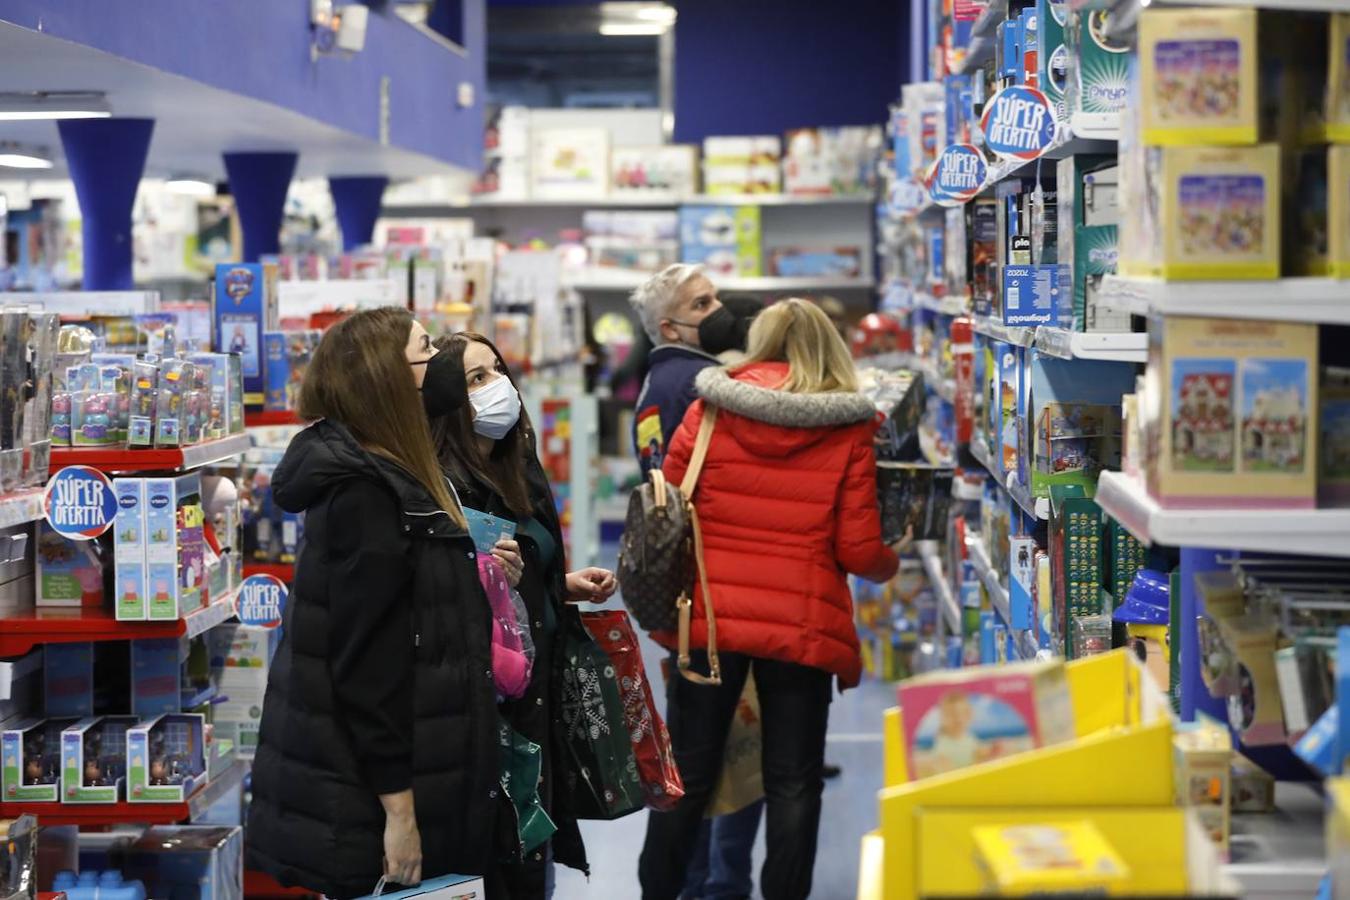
x=595 y=585
x=508 y=554
x=402 y=841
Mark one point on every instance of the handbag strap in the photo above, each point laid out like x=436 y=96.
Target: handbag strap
x=685 y=603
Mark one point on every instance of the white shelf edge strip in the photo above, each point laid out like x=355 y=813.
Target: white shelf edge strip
x=1321 y=300
x=932 y=565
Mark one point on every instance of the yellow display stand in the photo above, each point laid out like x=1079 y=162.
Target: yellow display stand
x=1117 y=774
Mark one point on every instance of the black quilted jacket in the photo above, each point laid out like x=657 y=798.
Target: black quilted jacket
x=382 y=681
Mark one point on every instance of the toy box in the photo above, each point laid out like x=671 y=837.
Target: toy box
x=914 y=499
x=1009 y=406
x=130 y=578
x=166 y=759
x=827 y=161
x=241 y=657
x=725 y=239
x=1338 y=208
x=569 y=163
x=69 y=573
x=1202 y=754
x=742 y=165
x=1098 y=71
x=174 y=545
x=1333 y=452
x=176 y=382
x=94 y=759
x=1031 y=295
x=92 y=422
x=1047 y=859
x=816 y=262
x=985 y=284
x=1087 y=237
x=277 y=373
x=156 y=677
x=144 y=401
x=1226 y=413
x=1205 y=212
x=1075 y=539
x=1338 y=85
x=225 y=414
x=1052 y=54
x=68 y=680
x=1338 y=835
x=32 y=760
x=1128 y=556
x=954 y=719
x=244 y=305
x=640 y=171
x=1198 y=76
x=1021 y=599
x=1075 y=415
x=200 y=861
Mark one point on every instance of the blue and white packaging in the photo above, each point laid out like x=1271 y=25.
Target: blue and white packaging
x=1031 y=295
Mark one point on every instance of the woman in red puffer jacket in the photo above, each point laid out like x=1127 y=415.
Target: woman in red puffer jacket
x=787 y=502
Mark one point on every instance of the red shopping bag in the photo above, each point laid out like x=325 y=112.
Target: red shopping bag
x=657 y=771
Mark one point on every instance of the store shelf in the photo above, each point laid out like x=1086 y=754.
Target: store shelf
x=21 y=632
x=947 y=306
x=612 y=201
x=271 y=418
x=1124 y=14
x=284 y=571
x=1324 y=300
x=1105 y=346
x=623 y=280
x=780 y=200
x=1069 y=144
x=1320 y=532
x=120 y=459
x=110 y=814
x=998 y=595
x=303 y=298
x=932 y=566
x=1038 y=507
x=1009 y=334
x=1280 y=853
x=645 y=201
x=21 y=507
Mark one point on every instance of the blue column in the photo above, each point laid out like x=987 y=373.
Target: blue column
x=106 y=158
x=259 y=182
x=357 y=201
x=1194 y=696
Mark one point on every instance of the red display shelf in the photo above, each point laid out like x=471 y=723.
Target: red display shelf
x=21 y=632
x=260 y=884
x=284 y=571
x=120 y=459
x=97 y=815
x=271 y=418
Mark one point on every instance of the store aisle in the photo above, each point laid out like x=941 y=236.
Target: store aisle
x=850 y=808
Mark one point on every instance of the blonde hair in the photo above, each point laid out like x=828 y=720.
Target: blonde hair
x=799 y=333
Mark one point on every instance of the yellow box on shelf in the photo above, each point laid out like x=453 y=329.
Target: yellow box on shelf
x=1338 y=209
x=893 y=747
x=1338 y=835
x=1044 y=858
x=1338 y=83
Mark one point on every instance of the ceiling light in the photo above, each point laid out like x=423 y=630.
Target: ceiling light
x=614 y=29
x=54 y=105
x=19 y=156
x=190 y=186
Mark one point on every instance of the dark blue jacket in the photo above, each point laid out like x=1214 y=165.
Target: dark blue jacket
x=666 y=395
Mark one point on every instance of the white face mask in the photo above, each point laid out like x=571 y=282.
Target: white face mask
x=496 y=408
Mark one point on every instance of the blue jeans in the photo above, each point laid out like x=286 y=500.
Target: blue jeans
x=721 y=868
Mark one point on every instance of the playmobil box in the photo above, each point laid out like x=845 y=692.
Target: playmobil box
x=958 y=718
x=94 y=759
x=174 y=550
x=130 y=577
x=1204 y=212
x=1076 y=422
x=1198 y=76
x=1229 y=413
x=1031 y=295
x=724 y=239
x=31 y=751
x=1087 y=236
x=166 y=761
x=244 y=305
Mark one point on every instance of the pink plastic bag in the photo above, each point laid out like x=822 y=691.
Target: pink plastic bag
x=512 y=645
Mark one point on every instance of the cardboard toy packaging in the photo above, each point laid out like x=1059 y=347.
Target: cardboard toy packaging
x=958 y=718
x=241 y=657
x=200 y=861
x=725 y=239
x=31 y=750
x=94 y=759
x=69 y=572
x=742 y=165
x=156 y=677
x=166 y=759
x=1338 y=86
x=131 y=589
x=1052 y=55
x=244 y=305
x=1333 y=452
x=1338 y=210
x=1338 y=836
x=1098 y=71
x=1076 y=421
x=1227 y=411
x=68 y=680
x=174 y=545
x=1075 y=538
x=1202 y=755
x=653 y=171
x=1045 y=859
x=1088 y=240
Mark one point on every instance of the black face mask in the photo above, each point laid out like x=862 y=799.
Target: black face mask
x=721 y=330
x=444 y=389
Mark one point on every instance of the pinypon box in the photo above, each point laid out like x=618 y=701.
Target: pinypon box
x=1229 y=413
x=1203 y=212
x=174 y=546
x=31 y=752
x=166 y=759
x=1098 y=70
x=1088 y=239
x=1052 y=54
x=959 y=718
x=131 y=590
x=94 y=759
x=1197 y=73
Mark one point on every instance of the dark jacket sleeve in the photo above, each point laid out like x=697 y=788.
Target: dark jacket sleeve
x=372 y=638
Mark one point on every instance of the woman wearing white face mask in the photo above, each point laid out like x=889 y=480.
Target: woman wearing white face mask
x=488 y=449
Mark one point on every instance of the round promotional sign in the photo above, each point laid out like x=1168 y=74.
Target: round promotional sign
x=957 y=175
x=1019 y=123
x=260 y=600
x=79 y=503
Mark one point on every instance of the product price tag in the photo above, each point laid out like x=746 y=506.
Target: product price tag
x=958 y=175
x=260 y=601
x=1019 y=123
x=79 y=503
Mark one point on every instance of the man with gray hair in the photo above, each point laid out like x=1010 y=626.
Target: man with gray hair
x=671 y=305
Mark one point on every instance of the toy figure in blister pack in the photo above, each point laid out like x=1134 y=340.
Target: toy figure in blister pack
x=159 y=763
x=60 y=432
x=41 y=757
x=144 y=399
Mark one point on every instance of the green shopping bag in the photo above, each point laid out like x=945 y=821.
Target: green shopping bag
x=522 y=763
x=599 y=772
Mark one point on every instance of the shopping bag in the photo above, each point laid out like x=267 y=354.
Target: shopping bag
x=512 y=644
x=660 y=777
x=522 y=763
x=742 y=779
x=447 y=887
x=599 y=769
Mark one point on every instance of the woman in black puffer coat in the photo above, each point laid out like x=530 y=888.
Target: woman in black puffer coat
x=377 y=752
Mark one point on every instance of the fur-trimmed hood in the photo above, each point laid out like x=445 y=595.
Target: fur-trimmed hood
x=747 y=393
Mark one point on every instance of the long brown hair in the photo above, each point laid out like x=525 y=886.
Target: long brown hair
x=457 y=446
x=359 y=378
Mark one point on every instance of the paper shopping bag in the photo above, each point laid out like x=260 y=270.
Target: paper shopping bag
x=742 y=780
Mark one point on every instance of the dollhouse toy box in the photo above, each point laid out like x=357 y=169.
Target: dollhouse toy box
x=1229 y=412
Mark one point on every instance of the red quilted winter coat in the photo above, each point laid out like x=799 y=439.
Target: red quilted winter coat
x=788 y=504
